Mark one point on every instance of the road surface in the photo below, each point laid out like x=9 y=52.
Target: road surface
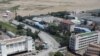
x=52 y=43
x=48 y=39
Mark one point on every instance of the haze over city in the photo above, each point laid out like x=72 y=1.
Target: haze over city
x=49 y=27
x=45 y=6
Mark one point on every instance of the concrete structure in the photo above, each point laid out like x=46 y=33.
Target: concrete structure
x=16 y=45
x=88 y=16
x=11 y=34
x=14 y=22
x=81 y=41
x=48 y=19
x=68 y=24
x=93 y=50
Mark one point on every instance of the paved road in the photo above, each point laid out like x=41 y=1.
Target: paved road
x=52 y=43
x=45 y=37
x=48 y=39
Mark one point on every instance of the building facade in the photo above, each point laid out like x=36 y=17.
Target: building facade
x=81 y=41
x=93 y=50
x=16 y=45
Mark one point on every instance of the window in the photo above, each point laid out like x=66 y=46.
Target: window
x=11 y=45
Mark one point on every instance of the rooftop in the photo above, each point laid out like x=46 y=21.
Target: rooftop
x=14 y=40
x=3 y=36
x=5 y=39
x=47 y=19
x=86 y=34
x=88 y=16
x=93 y=50
x=67 y=22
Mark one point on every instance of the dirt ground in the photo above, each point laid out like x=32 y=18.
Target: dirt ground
x=34 y=7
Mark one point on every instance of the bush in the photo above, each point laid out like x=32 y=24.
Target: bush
x=19 y=18
x=58 y=54
x=61 y=14
x=30 y=33
x=19 y=27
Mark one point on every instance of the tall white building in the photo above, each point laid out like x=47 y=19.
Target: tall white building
x=15 y=45
x=81 y=41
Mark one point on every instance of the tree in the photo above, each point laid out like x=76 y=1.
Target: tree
x=0 y=26
x=60 y=14
x=35 y=35
x=19 y=18
x=20 y=26
x=20 y=32
x=30 y=33
x=40 y=47
x=58 y=54
x=53 y=29
x=5 y=30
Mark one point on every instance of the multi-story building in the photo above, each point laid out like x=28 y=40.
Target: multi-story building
x=81 y=41
x=67 y=25
x=15 y=45
x=93 y=50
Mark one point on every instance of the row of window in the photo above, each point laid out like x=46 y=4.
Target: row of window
x=15 y=44
x=86 y=44
x=88 y=41
x=88 y=37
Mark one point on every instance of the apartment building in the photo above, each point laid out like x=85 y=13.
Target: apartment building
x=16 y=45
x=81 y=41
x=93 y=50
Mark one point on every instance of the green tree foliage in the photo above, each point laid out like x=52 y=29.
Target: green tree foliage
x=5 y=30
x=20 y=26
x=19 y=18
x=0 y=26
x=40 y=47
x=61 y=14
x=56 y=30
x=20 y=32
x=30 y=33
x=58 y=54
x=53 y=29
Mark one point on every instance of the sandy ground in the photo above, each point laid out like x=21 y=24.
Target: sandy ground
x=34 y=7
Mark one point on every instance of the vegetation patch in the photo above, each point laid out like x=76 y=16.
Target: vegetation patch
x=8 y=26
x=5 y=1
